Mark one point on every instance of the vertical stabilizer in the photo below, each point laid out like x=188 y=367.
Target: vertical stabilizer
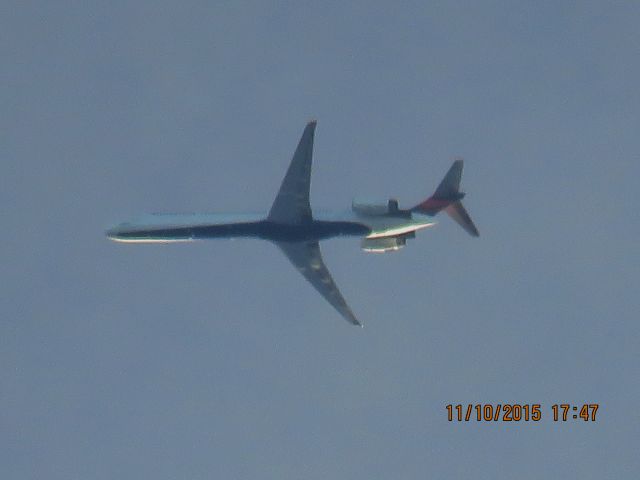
x=448 y=197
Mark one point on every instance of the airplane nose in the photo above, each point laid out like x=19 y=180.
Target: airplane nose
x=113 y=233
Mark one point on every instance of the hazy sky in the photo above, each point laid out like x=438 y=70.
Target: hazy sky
x=216 y=359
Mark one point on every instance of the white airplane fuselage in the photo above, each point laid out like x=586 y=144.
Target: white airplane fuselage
x=181 y=227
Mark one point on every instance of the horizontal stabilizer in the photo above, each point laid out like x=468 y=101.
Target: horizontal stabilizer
x=457 y=212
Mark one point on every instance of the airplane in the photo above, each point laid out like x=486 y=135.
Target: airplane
x=292 y=226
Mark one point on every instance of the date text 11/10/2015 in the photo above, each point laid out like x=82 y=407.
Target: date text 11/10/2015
x=520 y=412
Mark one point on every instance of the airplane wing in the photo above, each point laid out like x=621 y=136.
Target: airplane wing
x=306 y=257
x=292 y=203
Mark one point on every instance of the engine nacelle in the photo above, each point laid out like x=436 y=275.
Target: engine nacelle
x=384 y=244
x=376 y=207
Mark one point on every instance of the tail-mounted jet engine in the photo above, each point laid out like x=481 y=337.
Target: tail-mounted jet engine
x=386 y=244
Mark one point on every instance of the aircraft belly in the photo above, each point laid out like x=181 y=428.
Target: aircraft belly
x=171 y=228
x=124 y=239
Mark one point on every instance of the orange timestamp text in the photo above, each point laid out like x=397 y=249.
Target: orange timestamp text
x=519 y=412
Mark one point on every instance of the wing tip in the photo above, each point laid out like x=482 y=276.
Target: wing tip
x=351 y=318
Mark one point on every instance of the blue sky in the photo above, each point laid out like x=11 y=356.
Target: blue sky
x=217 y=359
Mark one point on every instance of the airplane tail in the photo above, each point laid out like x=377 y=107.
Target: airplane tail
x=448 y=197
